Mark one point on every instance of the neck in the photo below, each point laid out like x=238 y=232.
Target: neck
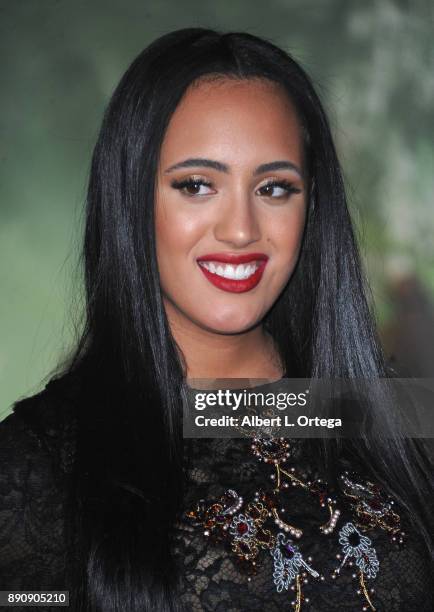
x=249 y=354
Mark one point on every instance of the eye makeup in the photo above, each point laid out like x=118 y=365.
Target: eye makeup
x=288 y=188
x=190 y=183
x=197 y=183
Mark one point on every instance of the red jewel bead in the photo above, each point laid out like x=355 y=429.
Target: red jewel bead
x=244 y=548
x=242 y=528
x=376 y=504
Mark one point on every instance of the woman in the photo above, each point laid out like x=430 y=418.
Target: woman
x=218 y=244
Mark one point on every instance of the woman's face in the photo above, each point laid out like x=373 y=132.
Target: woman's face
x=230 y=204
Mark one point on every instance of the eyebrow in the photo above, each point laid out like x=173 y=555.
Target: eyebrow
x=210 y=163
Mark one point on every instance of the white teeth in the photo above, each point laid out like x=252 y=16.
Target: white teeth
x=239 y=272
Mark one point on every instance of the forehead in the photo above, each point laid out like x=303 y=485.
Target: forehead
x=234 y=117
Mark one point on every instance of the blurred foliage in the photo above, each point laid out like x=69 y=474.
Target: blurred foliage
x=372 y=64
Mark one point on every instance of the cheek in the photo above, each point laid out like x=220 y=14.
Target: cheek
x=285 y=235
x=176 y=232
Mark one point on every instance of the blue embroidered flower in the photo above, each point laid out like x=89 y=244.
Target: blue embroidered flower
x=242 y=527
x=288 y=562
x=359 y=546
x=283 y=575
x=368 y=563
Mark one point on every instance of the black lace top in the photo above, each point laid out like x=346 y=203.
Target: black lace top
x=36 y=459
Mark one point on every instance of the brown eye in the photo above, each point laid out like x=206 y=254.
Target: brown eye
x=278 y=189
x=268 y=190
x=192 y=187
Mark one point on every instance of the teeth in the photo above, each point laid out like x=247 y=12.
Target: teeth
x=240 y=272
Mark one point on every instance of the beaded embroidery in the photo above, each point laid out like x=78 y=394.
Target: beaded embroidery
x=371 y=507
x=288 y=565
x=358 y=547
x=247 y=527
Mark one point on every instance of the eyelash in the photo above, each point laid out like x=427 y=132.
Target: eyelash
x=282 y=183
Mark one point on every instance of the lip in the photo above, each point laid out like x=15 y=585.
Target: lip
x=232 y=258
x=231 y=285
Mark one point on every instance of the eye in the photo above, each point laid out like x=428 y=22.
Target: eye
x=278 y=190
x=192 y=186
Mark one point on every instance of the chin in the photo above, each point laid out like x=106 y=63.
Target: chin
x=231 y=323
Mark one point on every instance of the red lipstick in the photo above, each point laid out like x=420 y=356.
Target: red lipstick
x=229 y=284
x=231 y=258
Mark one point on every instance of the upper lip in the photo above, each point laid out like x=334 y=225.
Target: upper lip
x=232 y=258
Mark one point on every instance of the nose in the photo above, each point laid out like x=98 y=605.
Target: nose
x=238 y=224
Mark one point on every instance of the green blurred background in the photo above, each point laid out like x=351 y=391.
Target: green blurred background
x=372 y=63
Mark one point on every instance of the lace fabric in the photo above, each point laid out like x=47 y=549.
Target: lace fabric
x=212 y=581
x=37 y=458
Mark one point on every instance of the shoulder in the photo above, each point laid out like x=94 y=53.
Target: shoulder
x=36 y=456
x=42 y=425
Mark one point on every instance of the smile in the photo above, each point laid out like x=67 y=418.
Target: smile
x=240 y=272
x=233 y=273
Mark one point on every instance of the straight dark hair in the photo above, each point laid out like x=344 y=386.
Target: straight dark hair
x=128 y=483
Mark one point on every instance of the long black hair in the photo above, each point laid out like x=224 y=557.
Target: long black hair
x=128 y=477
